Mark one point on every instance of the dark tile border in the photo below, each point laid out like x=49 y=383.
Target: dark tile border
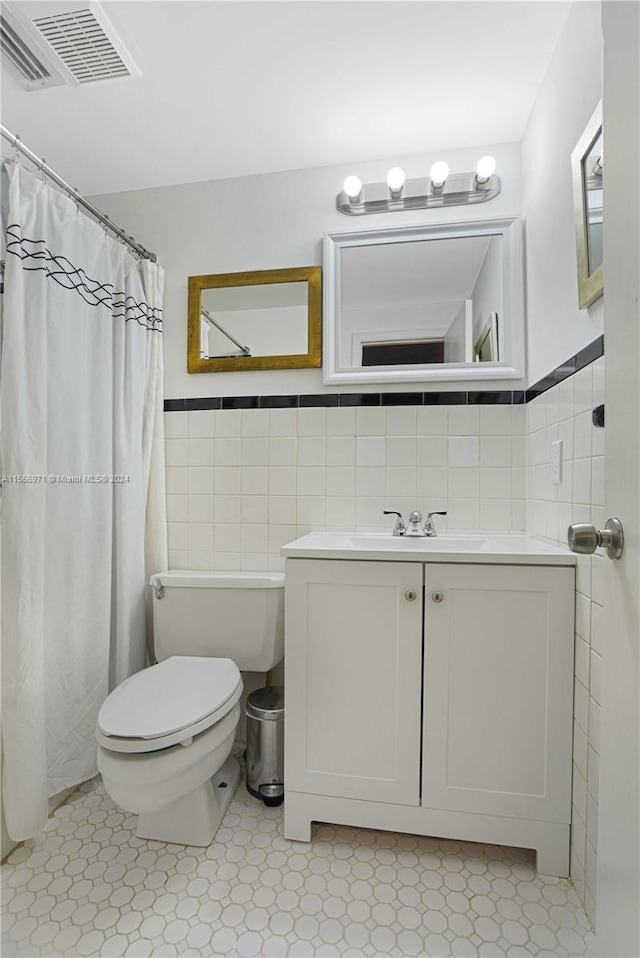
x=571 y=366
x=214 y=402
x=499 y=397
x=279 y=402
x=444 y=399
x=361 y=399
x=402 y=399
x=320 y=399
x=240 y=402
x=474 y=398
x=565 y=371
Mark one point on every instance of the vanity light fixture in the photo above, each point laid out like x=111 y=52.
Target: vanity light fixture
x=440 y=188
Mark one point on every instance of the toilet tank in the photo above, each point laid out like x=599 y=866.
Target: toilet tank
x=234 y=615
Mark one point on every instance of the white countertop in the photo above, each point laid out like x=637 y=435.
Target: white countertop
x=477 y=547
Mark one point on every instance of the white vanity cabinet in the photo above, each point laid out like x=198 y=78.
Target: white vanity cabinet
x=498 y=690
x=353 y=679
x=433 y=698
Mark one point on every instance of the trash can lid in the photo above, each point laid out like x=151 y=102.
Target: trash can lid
x=266 y=703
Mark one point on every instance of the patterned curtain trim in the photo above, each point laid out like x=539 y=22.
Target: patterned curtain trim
x=65 y=274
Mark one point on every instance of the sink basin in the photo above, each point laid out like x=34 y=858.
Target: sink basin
x=441 y=542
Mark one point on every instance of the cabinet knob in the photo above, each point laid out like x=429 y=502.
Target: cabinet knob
x=437 y=596
x=411 y=595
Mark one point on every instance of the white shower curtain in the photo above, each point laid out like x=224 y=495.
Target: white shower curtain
x=83 y=515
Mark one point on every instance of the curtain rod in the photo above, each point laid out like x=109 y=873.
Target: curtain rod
x=214 y=322
x=71 y=191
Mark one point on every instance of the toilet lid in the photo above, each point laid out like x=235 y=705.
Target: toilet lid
x=174 y=695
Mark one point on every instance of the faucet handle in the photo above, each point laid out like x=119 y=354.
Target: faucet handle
x=429 y=525
x=399 y=528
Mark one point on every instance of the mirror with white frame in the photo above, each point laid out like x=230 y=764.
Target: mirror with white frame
x=424 y=303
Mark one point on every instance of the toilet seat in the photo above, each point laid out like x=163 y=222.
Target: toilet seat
x=168 y=704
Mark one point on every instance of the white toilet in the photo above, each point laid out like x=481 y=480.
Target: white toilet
x=166 y=733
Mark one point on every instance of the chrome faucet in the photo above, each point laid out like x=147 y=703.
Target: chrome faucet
x=413 y=529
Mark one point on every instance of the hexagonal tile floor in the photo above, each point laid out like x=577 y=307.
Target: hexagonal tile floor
x=87 y=886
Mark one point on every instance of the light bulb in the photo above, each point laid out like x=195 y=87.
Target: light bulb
x=439 y=173
x=485 y=168
x=395 y=179
x=352 y=186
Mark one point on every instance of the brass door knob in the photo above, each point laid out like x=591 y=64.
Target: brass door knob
x=437 y=596
x=411 y=595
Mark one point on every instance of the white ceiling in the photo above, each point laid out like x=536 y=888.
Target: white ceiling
x=236 y=88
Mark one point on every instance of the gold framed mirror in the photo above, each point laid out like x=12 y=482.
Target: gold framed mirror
x=265 y=319
x=587 y=167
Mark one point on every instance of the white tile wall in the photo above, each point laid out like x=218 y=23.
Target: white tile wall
x=564 y=412
x=241 y=483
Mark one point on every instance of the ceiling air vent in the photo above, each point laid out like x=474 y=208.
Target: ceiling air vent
x=23 y=59
x=84 y=46
x=49 y=42
x=31 y=66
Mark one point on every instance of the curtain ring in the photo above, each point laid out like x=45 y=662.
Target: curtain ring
x=76 y=195
x=133 y=246
x=16 y=149
x=43 y=171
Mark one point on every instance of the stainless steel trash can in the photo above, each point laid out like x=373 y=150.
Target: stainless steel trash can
x=265 y=744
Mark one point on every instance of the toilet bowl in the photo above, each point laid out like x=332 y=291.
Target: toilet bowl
x=165 y=734
x=164 y=739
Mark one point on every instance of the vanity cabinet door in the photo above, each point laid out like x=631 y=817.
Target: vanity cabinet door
x=353 y=657
x=498 y=690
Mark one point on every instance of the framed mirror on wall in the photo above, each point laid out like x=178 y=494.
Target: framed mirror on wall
x=424 y=303
x=587 y=167
x=266 y=319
